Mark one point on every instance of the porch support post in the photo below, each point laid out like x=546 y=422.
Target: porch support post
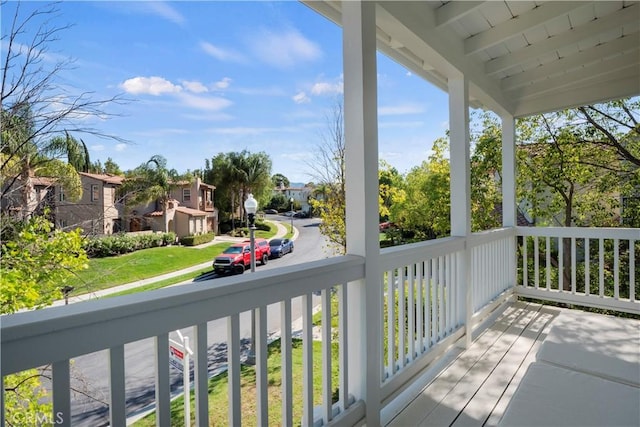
x=509 y=202
x=361 y=177
x=509 y=216
x=461 y=186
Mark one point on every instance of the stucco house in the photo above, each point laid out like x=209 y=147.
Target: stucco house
x=99 y=211
x=190 y=210
x=299 y=194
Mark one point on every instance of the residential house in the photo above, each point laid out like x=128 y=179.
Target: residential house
x=98 y=211
x=190 y=210
x=299 y=193
x=30 y=197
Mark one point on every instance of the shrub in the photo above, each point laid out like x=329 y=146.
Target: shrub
x=196 y=240
x=122 y=243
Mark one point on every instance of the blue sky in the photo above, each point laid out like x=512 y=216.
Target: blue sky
x=208 y=77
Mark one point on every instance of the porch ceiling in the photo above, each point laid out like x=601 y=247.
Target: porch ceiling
x=520 y=57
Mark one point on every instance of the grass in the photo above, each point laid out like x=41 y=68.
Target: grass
x=104 y=273
x=219 y=394
x=108 y=272
x=162 y=283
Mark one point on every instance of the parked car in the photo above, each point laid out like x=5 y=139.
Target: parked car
x=384 y=226
x=289 y=213
x=237 y=258
x=280 y=247
x=301 y=214
x=270 y=211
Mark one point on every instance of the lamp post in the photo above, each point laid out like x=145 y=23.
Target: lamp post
x=291 y=200
x=251 y=206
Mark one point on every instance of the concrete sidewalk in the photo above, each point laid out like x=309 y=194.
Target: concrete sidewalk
x=282 y=231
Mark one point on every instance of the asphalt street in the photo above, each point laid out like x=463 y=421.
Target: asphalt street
x=90 y=374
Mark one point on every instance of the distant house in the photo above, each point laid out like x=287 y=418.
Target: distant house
x=28 y=198
x=299 y=193
x=190 y=210
x=98 y=211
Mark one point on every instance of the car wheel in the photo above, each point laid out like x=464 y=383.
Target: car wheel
x=291 y=249
x=265 y=258
x=280 y=254
x=239 y=269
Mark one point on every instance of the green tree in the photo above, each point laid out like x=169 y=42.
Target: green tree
x=278 y=179
x=235 y=175
x=151 y=181
x=425 y=209
x=37 y=262
x=391 y=189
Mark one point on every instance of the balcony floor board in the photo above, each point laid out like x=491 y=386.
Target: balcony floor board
x=476 y=387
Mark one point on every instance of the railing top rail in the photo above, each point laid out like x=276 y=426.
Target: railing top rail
x=397 y=256
x=483 y=237
x=581 y=232
x=34 y=338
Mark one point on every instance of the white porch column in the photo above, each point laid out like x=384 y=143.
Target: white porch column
x=509 y=215
x=461 y=184
x=361 y=155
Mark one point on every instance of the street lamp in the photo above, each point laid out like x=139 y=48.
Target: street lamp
x=251 y=206
x=291 y=200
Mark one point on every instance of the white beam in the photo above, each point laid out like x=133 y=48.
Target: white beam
x=621 y=17
x=535 y=18
x=572 y=61
x=585 y=94
x=455 y=10
x=619 y=66
x=414 y=25
x=361 y=158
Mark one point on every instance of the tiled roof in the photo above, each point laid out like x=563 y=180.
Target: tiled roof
x=189 y=211
x=108 y=178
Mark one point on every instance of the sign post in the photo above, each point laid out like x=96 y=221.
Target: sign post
x=179 y=353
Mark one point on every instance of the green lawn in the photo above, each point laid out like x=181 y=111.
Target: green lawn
x=104 y=273
x=219 y=393
x=108 y=272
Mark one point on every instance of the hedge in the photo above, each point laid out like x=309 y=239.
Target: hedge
x=117 y=244
x=197 y=239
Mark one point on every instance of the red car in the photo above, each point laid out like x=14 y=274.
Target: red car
x=384 y=226
x=237 y=258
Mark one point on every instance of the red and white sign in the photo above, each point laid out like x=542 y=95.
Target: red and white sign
x=176 y=358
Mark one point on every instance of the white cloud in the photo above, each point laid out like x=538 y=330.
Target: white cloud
x=221 y=54
x=211 y=103
x=249 y=130
x=222 y=84
x=301 y=98
x=397 y=110
x=121 y=147
x=284 y=50
x=97 y=147
x=194 y=86
x=150 y=85
x=164 y=10
x=326 y=88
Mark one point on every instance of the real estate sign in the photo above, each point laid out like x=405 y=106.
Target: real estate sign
x=176 y=358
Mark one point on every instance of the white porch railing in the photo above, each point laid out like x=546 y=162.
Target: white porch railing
x=425 y=296
x=594 y=267
x=56 y=335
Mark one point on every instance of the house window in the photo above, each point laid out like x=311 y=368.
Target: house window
x=61 y=195
x=186 y=194
x=94 y=193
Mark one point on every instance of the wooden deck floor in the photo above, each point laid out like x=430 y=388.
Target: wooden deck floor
x=475 y=388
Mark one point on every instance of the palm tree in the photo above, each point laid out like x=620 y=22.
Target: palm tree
x=151 y=181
